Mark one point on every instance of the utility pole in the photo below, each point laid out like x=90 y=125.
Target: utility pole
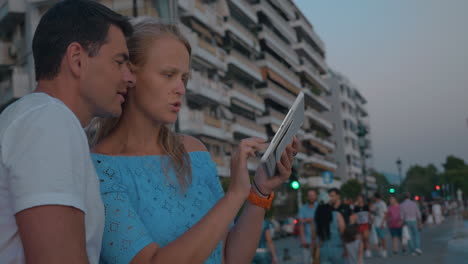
x=398 y=163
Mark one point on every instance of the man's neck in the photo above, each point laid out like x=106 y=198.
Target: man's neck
x=311 y=204
x=66 y=92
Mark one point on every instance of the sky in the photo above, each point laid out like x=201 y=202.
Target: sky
x=409 y=58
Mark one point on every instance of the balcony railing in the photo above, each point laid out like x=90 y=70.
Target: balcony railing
x=11 y=13
x=248 y=127
x=280 y=69
x=215 y=91
x=207 y=14
x=282 y=49
x=313 y=73
x=245 y=64
x=277 y=20
x=246 y=8
x=307 y=28
x=15 y=87
x=317 y=118
x=198 y=122
x=317 y=58
x=244 y=94
x=277 y=94
x=241 y=32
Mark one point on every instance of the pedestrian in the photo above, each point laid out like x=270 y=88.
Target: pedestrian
x=411 y=217
x=437 y=213
x=380 y=210
x=306 y=219
x=394 y=224
x=266 y=252
x=329 y=226
x=338 y=205
x=164 y=202
x=361 y=210
x=50 y=208
x=354 y=247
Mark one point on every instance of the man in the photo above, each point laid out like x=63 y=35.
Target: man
x=380 y=223
x=335 y=201
x=50 y=205
x=411 y=216
x=306 y=223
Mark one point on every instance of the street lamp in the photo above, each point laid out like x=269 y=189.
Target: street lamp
x=398 y=163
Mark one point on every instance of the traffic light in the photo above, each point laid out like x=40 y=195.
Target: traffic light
x=437 y=187
x=416 y=198
x=293 y=180
x=392 y=190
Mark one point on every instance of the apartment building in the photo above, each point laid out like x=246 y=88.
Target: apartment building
x=250 y=60
x=350 y=116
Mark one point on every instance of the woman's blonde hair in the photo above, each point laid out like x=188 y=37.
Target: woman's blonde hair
x=146 y=31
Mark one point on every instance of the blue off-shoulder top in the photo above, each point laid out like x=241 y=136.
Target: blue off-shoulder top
x=143 y=205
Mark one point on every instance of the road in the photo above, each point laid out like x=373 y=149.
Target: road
x=443 y=244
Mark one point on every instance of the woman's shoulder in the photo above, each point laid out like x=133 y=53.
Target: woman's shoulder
x=192 y=144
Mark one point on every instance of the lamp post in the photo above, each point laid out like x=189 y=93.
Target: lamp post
x=398 y=163
x=362 y=132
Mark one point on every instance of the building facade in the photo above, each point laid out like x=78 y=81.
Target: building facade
x=250 y=59
x=352 y=132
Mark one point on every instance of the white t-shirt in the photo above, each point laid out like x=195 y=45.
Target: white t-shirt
x=380 y=209
x=44 y=160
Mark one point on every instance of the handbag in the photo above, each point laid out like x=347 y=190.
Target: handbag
x=405 y=235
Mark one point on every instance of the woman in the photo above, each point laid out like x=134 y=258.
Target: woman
x=361 y=210
x=395 y=223
x=329 y=226
x=164 y=202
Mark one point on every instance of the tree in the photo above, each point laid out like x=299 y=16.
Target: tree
x=351 y=189
x=421 y=180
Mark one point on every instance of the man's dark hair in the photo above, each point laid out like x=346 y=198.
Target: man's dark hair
x=312 y=190
x=377 y=195
x=335 y=190
x=406 y=195
x=84 y=21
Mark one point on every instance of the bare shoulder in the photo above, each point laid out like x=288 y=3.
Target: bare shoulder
x=192 y=144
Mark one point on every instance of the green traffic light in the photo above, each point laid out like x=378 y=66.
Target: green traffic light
x=295 y=185
x=392 y=190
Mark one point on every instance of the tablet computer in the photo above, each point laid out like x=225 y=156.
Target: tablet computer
x=284 y=136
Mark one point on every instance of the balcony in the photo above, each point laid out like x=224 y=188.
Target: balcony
x=11 y=14
x=207 y=14
x=279 y=46
x=199 y=123
x=315 y=101
x=312 y=74
x=277 y=20
x=246 y=9
x=222 y=165
x=247 y=96
x=205 y=51
x=277 y=94
x=317 y=182
x=248 y=127
x=287 y=74
x=242 y=33
x=205 y=90
x=315 y=116
x=274 y=117
x=320 y=162
x=14 y=88
x=321 y=142
x=305 y=28
x=244 y=65
x=304 y=49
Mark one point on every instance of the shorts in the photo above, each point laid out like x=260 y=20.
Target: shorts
x=363 y=227
x=395 y=232
x=381 y=232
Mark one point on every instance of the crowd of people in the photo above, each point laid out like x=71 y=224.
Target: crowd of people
x=333 y=230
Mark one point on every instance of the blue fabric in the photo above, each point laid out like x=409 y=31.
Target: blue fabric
x=331 y=251
x=306 y=212
x=381 y=232
x=415 y=241
x=262 y=258
x=142 y=205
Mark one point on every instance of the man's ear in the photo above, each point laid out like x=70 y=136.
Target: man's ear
x=74 y=58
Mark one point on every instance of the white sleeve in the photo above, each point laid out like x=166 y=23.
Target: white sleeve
x=44 y=152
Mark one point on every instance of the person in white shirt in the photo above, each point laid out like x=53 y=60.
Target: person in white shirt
x=50 y=205
x=380 y=210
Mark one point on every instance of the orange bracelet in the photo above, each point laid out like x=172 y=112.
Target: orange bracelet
x=259 y=201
